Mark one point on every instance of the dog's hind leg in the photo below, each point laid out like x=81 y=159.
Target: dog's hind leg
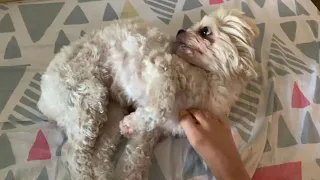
x=107 y=143
x=138 y=155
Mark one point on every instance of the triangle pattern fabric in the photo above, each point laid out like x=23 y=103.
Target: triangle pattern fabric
x=186 y=22
x=246 y=10
x=289 y=28
x=245 y=136
x=43 y=174
x=284 y=11
x=82 y=33
x=109 y=13
x=202 y=13
x=258 y=42
x=274 y=104
x=12 y=49
x=6 y=24
x=285 y=138
x=81 y=1
x=6 y=155
x=9 y=175
x=38 y=17
x=318 y=162
x=310 y=49
x=300 y=10
x=77 y=16
x=298 y=99
x=314 y=27
x=260 y=2
x=166 y=21
x=193 y=165
x=191 y=4
x=10 y=76
x=310 y=134
x=2 y=7
x=267 y=147
x=316 y=98
x=61 y=41
x=163 y=9
x=40 y=149
x=128 y=11
x=215 y=2
x=59 y=148
x=7 y=126
x=155 y=172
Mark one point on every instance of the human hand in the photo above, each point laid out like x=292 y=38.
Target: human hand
x=212 y=139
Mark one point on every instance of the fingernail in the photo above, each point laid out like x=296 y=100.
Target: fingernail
x=183 y=112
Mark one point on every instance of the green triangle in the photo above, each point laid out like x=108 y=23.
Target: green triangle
x=43 y=174
x=285 y=138
x=9 y=175
x=7 y=125
x=310 y=134
x=267 y=147
x=6 y=24
x=155 y=172
x=6 y=155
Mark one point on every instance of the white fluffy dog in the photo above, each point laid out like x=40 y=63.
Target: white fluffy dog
x=205 y=66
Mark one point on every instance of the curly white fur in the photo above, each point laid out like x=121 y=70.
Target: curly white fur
x=137 y=65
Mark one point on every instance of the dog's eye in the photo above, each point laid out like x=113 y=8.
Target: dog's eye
x=206 y=31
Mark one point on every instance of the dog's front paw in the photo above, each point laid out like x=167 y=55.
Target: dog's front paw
x=125 y=128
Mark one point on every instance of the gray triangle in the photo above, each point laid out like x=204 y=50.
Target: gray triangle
x=310 y=49
x=6 y=154
x=38 y=17
x=260 y=2
x=10 y=76
x=9 y=175
x=314 y=27
x=186 y=22
x=245 y=136
x=318 y=162
x=285 y=138
x=82 y=33
x=274 y=103
x=7 y=125
x=258 y=41
x=167 y=21
x=81 y=1
x=109 y=14
x=300 y=10
x=191 y=4
x=61 y=41
x=77 y=16
x=316 y=98
x=310 y=134
x=2 y=7
x=267 y=147
x=202 y=13
x=246 y=10
x=155 y=172
x=289 y=28
x=12 y=49
x=284 y=11
x=6 y=24
x=43 y=174
x=193 y=165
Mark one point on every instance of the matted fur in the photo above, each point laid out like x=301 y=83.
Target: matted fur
x=134 y=64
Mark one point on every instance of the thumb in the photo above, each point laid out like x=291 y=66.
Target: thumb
x=187 y=122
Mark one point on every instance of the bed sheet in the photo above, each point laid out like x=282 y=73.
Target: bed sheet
x=275 y=123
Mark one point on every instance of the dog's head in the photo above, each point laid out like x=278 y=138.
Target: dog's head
x=221 y=42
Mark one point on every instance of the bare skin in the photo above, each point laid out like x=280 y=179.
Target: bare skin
x=212 y=139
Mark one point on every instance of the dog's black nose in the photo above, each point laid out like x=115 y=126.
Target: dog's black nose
x=181 y=31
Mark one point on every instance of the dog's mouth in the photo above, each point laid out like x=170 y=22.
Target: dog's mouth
x=181 y=49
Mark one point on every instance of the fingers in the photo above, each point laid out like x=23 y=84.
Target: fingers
x=201 y=116
x=187 y=122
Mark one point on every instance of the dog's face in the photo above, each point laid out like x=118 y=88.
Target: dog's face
x=221 y=43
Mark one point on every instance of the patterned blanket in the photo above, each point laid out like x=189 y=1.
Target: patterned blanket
x=275 y=123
